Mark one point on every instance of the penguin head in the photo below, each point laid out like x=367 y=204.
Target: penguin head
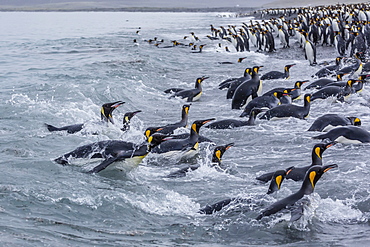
x=299 y=84
x=201 y=79
x=313 y=175
x=199 y=123
x=338 y=60
x=150 y=131
x=340 y=76
x=185 y=109
x=156 y=139
x=128 y=115
x=307 y=98
x=241 y=59
x=350 y=82
x=107 y=109
x=277 y=179
x=247 y=71
x=255 y=69
x=318 y=150
x=219 y=151
x=355 y=121
x=363 y=77
x=287 y=67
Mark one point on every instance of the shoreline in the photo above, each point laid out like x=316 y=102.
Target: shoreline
x=130 y=9
x=73 y=7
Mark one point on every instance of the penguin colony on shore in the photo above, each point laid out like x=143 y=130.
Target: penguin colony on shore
x=344 y=27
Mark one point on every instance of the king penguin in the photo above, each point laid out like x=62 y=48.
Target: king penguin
x=285 y=111
x=192 y=94
x=347 y=135
x=247 y=90
x=185 y=148
x=106 y=116
x=312 y=176
x=329 y=121
x=297 y=173
x=218 y=152
x=276 y=181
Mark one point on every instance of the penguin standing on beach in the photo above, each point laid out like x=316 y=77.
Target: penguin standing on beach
x=310 y=52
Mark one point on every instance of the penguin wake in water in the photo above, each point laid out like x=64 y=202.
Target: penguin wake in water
x=285 y=111
x=113 y=151
x=234 y=123
x=329 y=121
x=106 y=116
x=218 y=152
x=309 y=182
x=272 y=75
x=276 y=181
x=346 y=135
x=185 y=148
x=190 y=94
x=298 y=173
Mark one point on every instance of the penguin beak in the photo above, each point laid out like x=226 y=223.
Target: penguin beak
x=328 y=145
x=229 y=145
x=288 y=170
x=329 y=167
x=204 y=77
x=135 y=112
x=208 y=120
x=118 y=103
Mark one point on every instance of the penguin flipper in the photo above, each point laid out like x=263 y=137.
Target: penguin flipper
x=71 y=129
x=296 y=212
x=210 y=209
x=103 y=165
x=51 y=128
x=173 y=90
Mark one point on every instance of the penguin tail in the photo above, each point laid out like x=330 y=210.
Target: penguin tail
x=61 y=160
x=51 y=128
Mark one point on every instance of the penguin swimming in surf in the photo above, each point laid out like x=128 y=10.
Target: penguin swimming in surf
x=234 y=123
x=276 y=181
x=311 y=178
x=106 y=116
x=170 y=128
x=192 y=94
x=218 y=152
x=329 y=121
x=297 y=173
x=186 y=148
x=285 y=111
x=127 y=118
x=273 y=75
x=248 y=89
x=112 y=151
x=346 y=134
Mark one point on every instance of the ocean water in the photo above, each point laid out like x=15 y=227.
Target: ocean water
x=59 y=68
